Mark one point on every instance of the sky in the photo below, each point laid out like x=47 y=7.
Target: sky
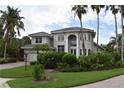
x=52 y=17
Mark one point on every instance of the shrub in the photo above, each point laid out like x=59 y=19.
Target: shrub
x=50 y=60
x=96 y=61
x=116 y=56
x=70 y=59
x=38 y=72
x=119 y=64
x=85 y=62
x=33 y=63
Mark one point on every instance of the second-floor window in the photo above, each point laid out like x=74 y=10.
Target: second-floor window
x=38 y=40
x=60 y=37
x=89 y=37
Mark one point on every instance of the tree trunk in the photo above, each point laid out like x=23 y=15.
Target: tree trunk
x=5 y=50
x=97 y=30
x=116 y=33
x=83 y=44
x=122 y=39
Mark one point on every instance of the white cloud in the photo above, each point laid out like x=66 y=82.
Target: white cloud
x=38 y=18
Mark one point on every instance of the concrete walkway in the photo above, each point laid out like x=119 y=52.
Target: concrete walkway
x=115 y=82
x=3 y=81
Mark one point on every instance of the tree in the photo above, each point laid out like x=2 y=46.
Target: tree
x=97 y=9
x=12 y=23
x=42 y=47
x=113 y=43
x=80 y=10
x=26 y=40
x=114 y=9
x=121 y=9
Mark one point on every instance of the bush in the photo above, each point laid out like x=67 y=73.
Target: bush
x=116 y=56
x=50 y=60
x=119 y=64
x=38 y=72
x=70 y=59
x=85 y=62
x=97 y=61
x=33 y=63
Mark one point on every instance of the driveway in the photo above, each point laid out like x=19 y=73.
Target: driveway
x=3 y=81
x=115 y=82
x=11 y=65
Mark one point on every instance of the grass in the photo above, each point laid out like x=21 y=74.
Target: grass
x=18 y=72
x=62 y=79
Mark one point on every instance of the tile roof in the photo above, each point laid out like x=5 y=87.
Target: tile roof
x=40 y=34
x=72 y=29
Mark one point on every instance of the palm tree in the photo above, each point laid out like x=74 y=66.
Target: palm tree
x=114 y=9
x=80 y=10
x=97 y=9
x=113 y=41
x=121 y=8
x=12 y=23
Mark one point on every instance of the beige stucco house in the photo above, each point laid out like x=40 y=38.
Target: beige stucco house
x=64 y=40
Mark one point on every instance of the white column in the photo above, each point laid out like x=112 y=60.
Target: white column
x=77 y=47
x=66 y=43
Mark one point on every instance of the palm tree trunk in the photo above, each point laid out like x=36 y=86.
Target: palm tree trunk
x=5 y=50
x=122 y=41
x=97 y=30
x=83 y=44
x=116 y=32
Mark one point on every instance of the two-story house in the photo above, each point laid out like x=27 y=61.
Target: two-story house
x=72 y=40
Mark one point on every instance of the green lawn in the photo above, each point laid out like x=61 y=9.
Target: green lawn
x=61 y=79
x=16 y=72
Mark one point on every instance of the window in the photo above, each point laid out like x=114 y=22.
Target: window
x=60 y=37
x=89 y=51
x=85 y=37
x=89 y=37
x=85 y=51
x=73 y=51
x=80 y=51
x=61 y=48
x=38 y=40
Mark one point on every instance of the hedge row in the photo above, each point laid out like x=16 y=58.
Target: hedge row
x=68 y=62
